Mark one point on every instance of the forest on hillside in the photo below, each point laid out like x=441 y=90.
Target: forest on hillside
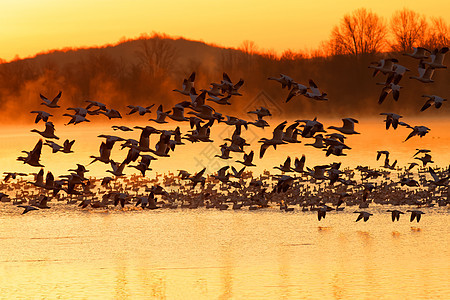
x=144 y=71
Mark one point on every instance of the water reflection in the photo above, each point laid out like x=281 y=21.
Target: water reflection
x=211 y=254
x=396 y=234
x=121 y=281
x=416 y=229
x=226 y=272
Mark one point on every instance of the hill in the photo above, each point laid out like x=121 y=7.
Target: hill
x=146 y=70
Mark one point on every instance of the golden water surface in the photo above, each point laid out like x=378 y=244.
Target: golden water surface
x=209 y=254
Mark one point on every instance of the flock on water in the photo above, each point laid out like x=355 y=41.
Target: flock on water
x=320 y=188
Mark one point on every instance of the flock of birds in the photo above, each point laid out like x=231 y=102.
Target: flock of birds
x=321 y=188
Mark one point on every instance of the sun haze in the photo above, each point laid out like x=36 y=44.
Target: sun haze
x=28 y=27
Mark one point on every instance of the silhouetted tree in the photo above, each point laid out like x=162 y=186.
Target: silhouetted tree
x=157 y=56
x=361 y=32
x=438 y=34
x=408 y=29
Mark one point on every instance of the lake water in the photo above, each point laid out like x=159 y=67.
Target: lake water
x=66 y=252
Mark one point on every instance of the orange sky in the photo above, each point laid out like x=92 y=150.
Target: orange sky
x=30 y=26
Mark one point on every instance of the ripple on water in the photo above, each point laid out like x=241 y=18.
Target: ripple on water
x=205 y=254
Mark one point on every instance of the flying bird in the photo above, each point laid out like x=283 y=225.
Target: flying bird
x=53 y=103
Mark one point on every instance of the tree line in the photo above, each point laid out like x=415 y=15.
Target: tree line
x=363 y=32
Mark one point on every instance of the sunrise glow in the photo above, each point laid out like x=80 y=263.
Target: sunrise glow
x=28 y=27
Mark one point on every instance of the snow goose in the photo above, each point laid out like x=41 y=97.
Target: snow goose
x=436 y=180
x=387 y=89
x=49 y=131
x=277 y=139
x=315 y=93
x=425 y=159
x=318 y=172
x=188 y=84
x=92 y=103
x=53 y=103
x=348 y=126
x=421 y=131
x=311 y=127
x=206 y=113
x=34 y=156
x=248 y=158
x=261 y=112
x=27 y=208
x=284 y=80
x=55 y=147
x=286 y=167
x=76 y=119
x=387 y=165
x=12 y=175
x=160 y=115
x=297 y=89
x=437 y=58
x=139 y=109
x=363 y=214
x=110 y=113
x=397 y=74
x=122 y=128
x=221 y=175
x=41 y=115
x=237 y=174
x=318 y=143
x=418 y=53
x=391 y=119
x=425 y=74
x=382 y=152
x=299 y=164
x=432 y=100
x=384 y=66
x=225 y=152
x=221 y=101
x=117 y=170
x=395 y=214
x=79 y=111
x=214 y=90
x=198 y=178
x=415 y=214
x=178 y=113
x=261 y=123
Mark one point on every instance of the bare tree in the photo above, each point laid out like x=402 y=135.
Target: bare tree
x=248 y=51
x=157 y=55
x=291 y=55
x=361 y=32
x=408 y=29
x=438 y=34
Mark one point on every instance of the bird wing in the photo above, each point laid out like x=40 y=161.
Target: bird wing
x=56 y=99
x=428 y=73
x=359 y=217
x=433 y=174
x=427 y=104
x=226 y=77
x=36 y=152
x=313 y=87
x=263 y=150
